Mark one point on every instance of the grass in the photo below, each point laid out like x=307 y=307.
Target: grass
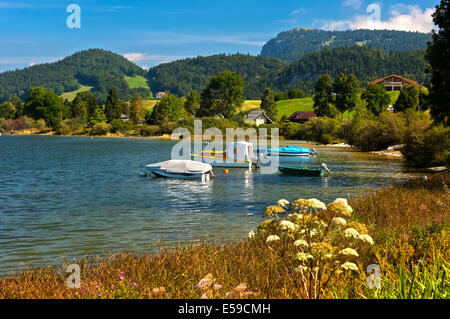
x=71 y=95
x=394 y=96
x=136 y=82
x=408 y=222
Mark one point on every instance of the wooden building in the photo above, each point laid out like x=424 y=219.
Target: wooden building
x=394 y=82
x=301 y=117
x=258 y=117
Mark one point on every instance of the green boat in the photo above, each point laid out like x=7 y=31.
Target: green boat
x=299 y=171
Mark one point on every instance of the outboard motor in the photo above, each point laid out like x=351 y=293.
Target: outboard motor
x=325 y=168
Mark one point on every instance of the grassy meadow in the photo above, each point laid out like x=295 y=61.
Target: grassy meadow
x=409 y=240
x=71 y=95
x=136 y=82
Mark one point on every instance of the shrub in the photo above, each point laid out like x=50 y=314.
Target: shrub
x=427 y=146
x=100 y=129
x=150 y=130
x=71 y=127
x=291 y=131
x=323 y=130
x=375 y=135
x=41 y=125
x=117 y=126
x=23 y=123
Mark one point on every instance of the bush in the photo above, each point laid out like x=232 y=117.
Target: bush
x=23 y=123
x=71 y=127
x=291 y=131
x=117 y=126
x=150 y=130
x=427 y=146
x=41 y=125
x=100 y=129
x=375 y=135
x=323 y=130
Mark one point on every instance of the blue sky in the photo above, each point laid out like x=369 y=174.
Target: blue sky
x=151 y=32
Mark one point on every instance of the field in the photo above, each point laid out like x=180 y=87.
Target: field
x=136 y=82
x=71 y=95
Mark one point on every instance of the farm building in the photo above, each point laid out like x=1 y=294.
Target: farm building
x=394 y=82
x=301 y=117
x=160 y=95
x=258 y=117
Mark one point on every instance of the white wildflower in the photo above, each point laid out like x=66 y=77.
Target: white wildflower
x=349 y=252
x=300 y=243
x=304 y=257
x=338 y=221
x=367 y=239
x=349 y=266
x=351 y=233
x=287 y=225
x=251 y=235
x=316 y=204
x=272 y=238
x=283 y=203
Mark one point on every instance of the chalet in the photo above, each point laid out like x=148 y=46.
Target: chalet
x=394 y=82
x=258 y=117
x=160 y=95
x=301 y=117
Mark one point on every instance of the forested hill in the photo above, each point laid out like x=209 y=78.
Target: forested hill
x=179 y=77
x=98 y=68
x=367 y=64
x=292 y=45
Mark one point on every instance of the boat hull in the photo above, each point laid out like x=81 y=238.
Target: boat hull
x=220 y=162
x=296 y=171
x=200 y=176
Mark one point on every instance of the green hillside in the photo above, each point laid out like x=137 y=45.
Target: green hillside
x=99 y=69
x=71 y=95
x=367 y=64
x=294 y=44
x=180 y=77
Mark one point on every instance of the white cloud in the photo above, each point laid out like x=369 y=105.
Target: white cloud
x=352 y=3
x=299 y=11
x=401 y=17
x=139 y=57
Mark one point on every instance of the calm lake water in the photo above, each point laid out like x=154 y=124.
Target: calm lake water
x=71 y=197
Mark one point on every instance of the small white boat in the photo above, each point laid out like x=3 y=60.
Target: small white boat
x=238 y=154
x=184 y=169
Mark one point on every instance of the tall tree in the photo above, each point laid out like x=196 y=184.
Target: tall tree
x=136 y=109
x=269 y=105
x=46 y=105
x=346 y=89
x=89 y=99
x=408 y=98
x=18 y=105
x=192 y=104
x=377 y=98
x=223 y=95
x=322 y=95
x=79 y=110
x=112 y=106
x=169 y=109
x=7 y=110
x=438 y=54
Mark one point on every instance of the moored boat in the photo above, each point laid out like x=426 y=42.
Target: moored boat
x=291 y=151
x=304 y=171
x=238 y=154
x=183 y=169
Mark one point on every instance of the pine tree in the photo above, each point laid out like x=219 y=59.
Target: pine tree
x=322 y=96
x=268 y=104
x=136 y=108
x=112 y=106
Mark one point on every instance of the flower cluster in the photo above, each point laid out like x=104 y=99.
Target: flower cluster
x=319 y=239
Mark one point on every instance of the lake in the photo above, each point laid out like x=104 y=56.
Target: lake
x=76 y=196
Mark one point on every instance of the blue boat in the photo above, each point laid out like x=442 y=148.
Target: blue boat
x=291 y=151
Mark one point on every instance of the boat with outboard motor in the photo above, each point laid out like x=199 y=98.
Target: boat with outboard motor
x=238 y=154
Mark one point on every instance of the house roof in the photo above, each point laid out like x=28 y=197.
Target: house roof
x=253 y=115
x=302 y=116
x=395 y=76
